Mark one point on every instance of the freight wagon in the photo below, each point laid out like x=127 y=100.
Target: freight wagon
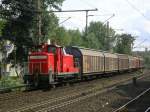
x=123 y=62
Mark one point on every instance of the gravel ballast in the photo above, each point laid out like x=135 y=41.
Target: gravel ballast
x=106 y=101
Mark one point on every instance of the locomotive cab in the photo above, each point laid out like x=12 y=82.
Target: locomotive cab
x=50 y=64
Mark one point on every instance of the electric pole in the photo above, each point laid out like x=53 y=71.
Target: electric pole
x=107 y=25
x=86 y=11
x=107 y=34
x=86 y=27
x=39 y=22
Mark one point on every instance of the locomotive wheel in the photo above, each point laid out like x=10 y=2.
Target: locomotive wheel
x=36 y=80
x=53 y=86
x=36 y=83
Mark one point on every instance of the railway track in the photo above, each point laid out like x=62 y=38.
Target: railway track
x=59 y=102
x=18 y=94
x=140 y=103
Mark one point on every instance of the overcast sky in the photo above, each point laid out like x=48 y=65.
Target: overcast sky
x=133 y=16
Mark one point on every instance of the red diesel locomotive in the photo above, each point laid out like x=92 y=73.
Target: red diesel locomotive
x=49 y=65
x=52 y=64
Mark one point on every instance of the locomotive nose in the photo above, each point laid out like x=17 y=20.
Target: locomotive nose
x=38 y=63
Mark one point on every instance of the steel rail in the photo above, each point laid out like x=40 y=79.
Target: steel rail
x=147 y=109
x=74 y=100
x=131 y=101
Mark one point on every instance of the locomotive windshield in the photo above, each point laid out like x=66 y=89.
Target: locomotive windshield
x=51 y=49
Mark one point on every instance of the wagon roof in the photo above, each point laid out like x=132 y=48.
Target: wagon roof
x=92 y=49
x=84 y=48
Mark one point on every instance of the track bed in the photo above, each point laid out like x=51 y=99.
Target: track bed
x=27 y=100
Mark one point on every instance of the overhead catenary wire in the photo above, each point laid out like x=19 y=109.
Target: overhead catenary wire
x=137 y=10
x=102 y=14
x=75 y=17
x=74 y=25
x=65 y=20
x=140 y=43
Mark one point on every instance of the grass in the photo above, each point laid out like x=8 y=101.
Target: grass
x=8 y=82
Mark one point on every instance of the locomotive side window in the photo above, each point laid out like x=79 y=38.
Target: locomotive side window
x=52 y=49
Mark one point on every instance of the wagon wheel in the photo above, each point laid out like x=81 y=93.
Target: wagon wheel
x=80 y=72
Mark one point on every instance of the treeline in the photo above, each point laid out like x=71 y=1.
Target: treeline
x=19 y=19
x=98 y=36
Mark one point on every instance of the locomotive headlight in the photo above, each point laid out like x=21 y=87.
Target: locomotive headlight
x=38 y=57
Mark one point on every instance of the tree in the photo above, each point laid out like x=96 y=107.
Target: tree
x=62 y=37
x=99 y=36
x=124 y=43
x=76 y=37
x=92 y=41
x=21 y=16
x=2 y=24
